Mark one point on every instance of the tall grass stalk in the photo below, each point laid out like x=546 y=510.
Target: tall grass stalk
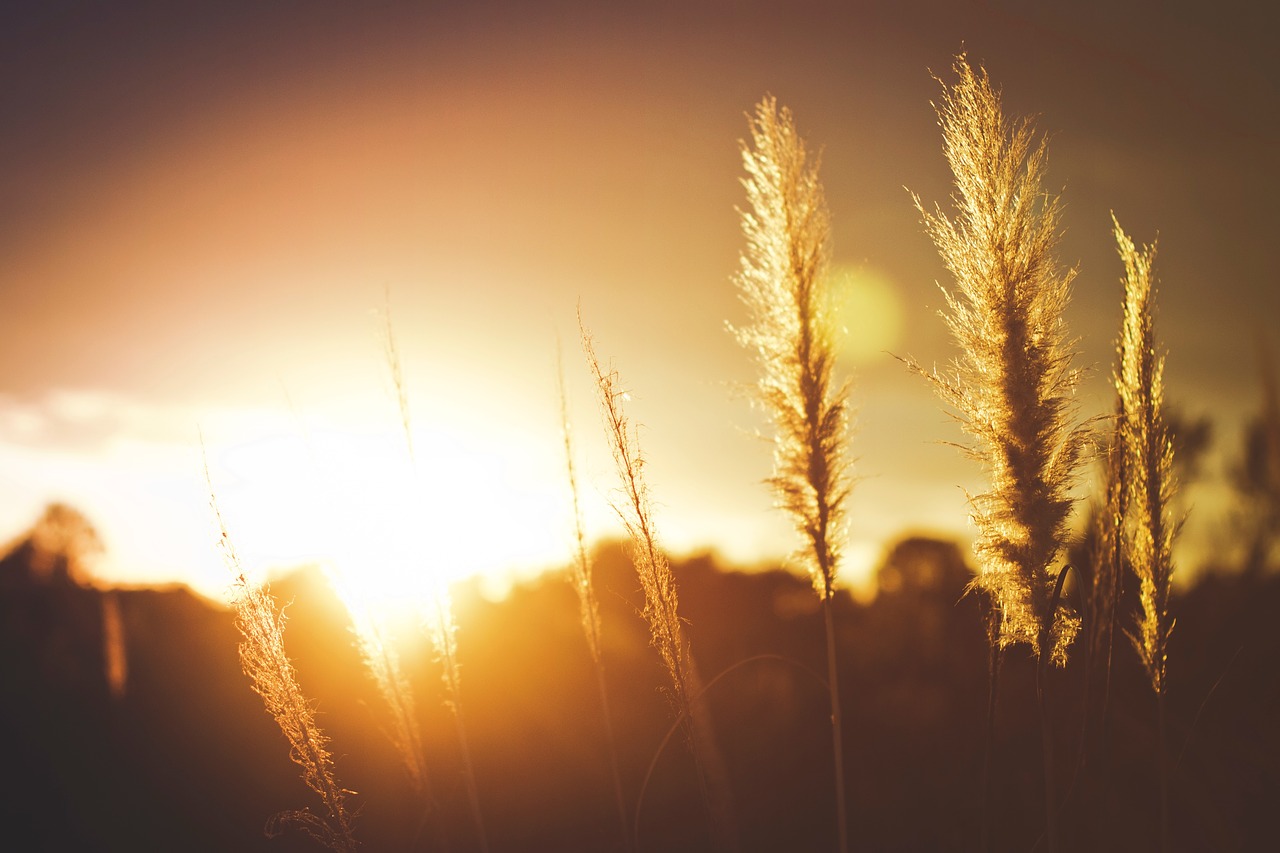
x=588 y=606
x=1013 y=384
x=995 y=659
x=262 y=657
x=1151 y=485
x=1102 y=556
x=1107 y=558
x=661 y=609
x=783 y=284
x=437 y=612
x=374 y=640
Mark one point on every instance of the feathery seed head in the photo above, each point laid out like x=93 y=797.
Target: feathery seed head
x=783 y=284
x=1148 y=449
x=1013 y=383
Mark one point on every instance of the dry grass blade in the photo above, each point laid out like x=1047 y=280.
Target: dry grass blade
x=1013 y=383
x=782 y=283
x=263 y=659
x=1104 y=551
x=1101 y=555
x=588 y=606
x=636 y=513
x=661 y=608
x=581 y=570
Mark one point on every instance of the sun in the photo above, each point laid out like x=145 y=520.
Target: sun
x=394 y=528
x=869 y=313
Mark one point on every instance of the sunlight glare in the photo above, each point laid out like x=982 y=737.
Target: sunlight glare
x=869 y=313
x=392 y=532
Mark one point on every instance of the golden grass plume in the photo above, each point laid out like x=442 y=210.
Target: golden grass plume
x=783 y=284
x=1148 y=448
x=1013 y=384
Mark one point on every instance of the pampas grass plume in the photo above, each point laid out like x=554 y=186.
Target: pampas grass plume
x=1013 y=384
x=1150 y=485
x=782 y=283
x=1149 y=459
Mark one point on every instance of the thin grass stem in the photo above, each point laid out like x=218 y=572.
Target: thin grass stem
x=680 y=720
x=1046 y=745
x=661 y=610
x=995 y=657
x=587 y=604
x=261 y=623
x=783 y=283
x=837 y=727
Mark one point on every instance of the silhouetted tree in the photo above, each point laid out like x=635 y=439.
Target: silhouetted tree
x=59 y=549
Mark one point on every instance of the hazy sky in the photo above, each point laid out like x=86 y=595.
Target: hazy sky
x=204 y=207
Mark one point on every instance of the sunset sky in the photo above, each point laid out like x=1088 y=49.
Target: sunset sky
x=205 y=209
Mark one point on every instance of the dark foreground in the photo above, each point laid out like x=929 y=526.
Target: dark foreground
x=184 y=758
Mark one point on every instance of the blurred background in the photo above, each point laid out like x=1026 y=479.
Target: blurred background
x=209 y=209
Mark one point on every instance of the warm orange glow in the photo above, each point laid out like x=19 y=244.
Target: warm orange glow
x=224 y=236
x=870 y=314
x=115 y=655
x=392 y=531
